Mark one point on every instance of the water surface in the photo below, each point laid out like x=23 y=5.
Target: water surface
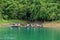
x=29 y=34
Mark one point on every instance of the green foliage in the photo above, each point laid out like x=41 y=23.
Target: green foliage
x=30 y=9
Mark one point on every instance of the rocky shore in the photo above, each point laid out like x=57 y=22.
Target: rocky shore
x=36 y=24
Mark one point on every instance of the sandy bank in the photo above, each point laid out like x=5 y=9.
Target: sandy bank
x=52 y=24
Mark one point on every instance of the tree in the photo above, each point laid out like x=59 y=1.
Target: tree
x=30 y=9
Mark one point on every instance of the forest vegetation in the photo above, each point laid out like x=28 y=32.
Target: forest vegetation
x=30 y=10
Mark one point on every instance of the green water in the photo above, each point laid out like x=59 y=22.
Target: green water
x=29 y=34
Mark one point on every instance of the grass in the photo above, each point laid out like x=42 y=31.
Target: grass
x=18 y=21
x=12 y=21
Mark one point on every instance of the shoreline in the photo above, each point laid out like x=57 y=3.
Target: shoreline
x=52 y=24
x=45 y=24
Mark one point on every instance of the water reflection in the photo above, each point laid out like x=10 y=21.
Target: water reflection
x=23 y=33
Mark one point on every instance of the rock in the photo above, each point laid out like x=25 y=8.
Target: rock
x=14 y=26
